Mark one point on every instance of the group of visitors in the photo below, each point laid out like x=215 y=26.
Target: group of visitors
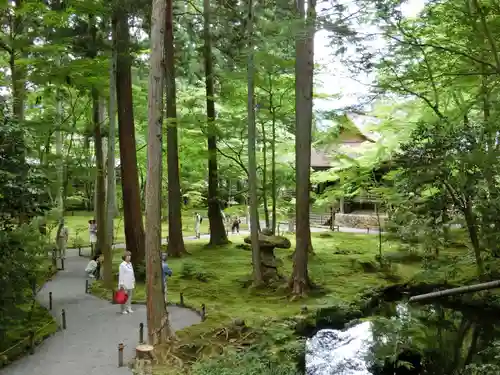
x=234 y=223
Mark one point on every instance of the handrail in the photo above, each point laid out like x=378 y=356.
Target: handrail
x=26 y=338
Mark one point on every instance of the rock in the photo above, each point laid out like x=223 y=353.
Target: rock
x=271 y=241
x=239 y=322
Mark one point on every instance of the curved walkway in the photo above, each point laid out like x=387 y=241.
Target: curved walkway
x=89 y=345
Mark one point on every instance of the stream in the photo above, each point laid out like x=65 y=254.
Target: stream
x=441 y=336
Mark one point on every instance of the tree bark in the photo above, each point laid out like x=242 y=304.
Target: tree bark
x=455 y=291
x=134 y=227
x=274 y=192
x=218 y=234
x=111 y=208
x=59 y=155
x=175 y=240
x=252 y=159
x=264 y=175
x=100 y=187
x=157 y=313
x=304 y=69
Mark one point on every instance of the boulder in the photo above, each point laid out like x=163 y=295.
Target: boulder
x=271 y=241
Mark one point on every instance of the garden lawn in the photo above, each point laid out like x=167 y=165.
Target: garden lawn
x=216 y=276
x=341 y=267
x=77 y=223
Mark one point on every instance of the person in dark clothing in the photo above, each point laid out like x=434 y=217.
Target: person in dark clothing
x=236 y=225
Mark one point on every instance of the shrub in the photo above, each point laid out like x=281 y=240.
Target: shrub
x=249 y=362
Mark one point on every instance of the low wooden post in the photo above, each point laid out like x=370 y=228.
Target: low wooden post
x=63 y=316
x=141 y=333
x=79 y=251
x=50 y=300
x=120 y=354
x=144 y=356
x=87 y=286
x=203 y=312
x=182 y=299
x=62 y=264
x=32 y=342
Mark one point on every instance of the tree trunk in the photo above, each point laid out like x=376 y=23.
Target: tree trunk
x=274 y=193
x=100 y=187
x=111 y=208
x=252 y=159
x=455 y=291
x=157 y=313
x=218 y=234
x=304 y=69
x=264 y=176
x=17 y=71
x=134 y=227
x=59 y=155
x=470 y=220
x=175 y=240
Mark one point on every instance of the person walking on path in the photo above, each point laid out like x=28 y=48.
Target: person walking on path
x=62 y=239
x=236 y=225
x=93 y=235
x=197 y=222
x=166 y=272
x=126 y=281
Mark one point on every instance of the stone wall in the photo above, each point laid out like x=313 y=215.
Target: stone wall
x=359 y=220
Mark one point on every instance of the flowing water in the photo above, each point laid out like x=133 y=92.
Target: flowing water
x=334 y=352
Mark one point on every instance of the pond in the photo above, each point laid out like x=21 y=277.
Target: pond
x=403 y=340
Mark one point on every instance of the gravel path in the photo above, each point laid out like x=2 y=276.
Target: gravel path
x=89 y=345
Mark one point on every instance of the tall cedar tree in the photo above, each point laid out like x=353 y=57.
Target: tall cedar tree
x=175 y=240
x=218 y=234
x=134 y=227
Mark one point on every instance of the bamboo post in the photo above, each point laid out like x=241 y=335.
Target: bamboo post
x=182 y=299
x=87 y=286
x=456 y=291
x=203 y=312
x=50 y=300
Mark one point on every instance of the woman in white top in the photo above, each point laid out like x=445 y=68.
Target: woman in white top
x=92 y=234
x=92 y=267
x=126 y=281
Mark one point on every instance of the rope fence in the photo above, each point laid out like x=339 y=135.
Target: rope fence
x=31 y=337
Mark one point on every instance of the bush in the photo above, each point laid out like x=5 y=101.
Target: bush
x=250 y=362
x=189 y=271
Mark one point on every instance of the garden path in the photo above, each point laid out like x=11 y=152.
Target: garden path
x=89 y=345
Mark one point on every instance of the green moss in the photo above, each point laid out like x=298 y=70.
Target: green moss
x=17 y=342
x=217 y=278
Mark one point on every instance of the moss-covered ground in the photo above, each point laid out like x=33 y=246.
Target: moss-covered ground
x=29 y=318
x=344 y=267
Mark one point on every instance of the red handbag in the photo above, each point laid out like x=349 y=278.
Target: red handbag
x=121 y=297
